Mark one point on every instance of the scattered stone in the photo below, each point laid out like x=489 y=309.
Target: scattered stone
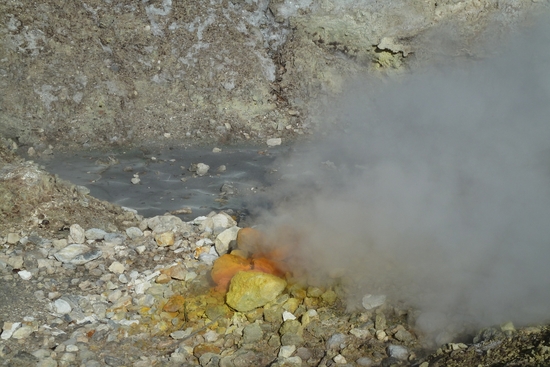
x=95 y=234
x=286 y=351
x=24 y=274
x=202 y=169
x=23 y=332
x=68 y=253
x=398 y=351
x=62 y=307
x=339 y=359
x=174 y=304
x=251 y=289
x=216 y=150
x=224 y=239
x=225 y=268
x=116 y=267
x=371 y=301
x=13 y=238
x=165 y=239
x=273 y=142
x=8 y=329
x=252 y=333
x=76 y=234
x=403 y=335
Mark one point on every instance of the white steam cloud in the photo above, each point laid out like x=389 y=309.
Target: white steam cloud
x=436 y=188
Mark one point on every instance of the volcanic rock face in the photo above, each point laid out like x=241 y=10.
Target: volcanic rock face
x=91 y=73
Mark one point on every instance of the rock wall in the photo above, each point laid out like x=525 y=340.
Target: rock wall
x=101 y=73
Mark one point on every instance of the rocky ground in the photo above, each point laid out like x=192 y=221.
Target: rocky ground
x=86 y=283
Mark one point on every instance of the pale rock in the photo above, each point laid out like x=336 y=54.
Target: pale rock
x=141 y=249
x=59 y=244
x=95 y=234
x=8 y=329
x=222 y=220
x=371 y=301
x=202 y=169
x=252 y=289
x=62 y=307
x=288 y=316
x=116 y=267
x=23 y=332
x=398 y=351
x=68 y=253
x=381 y=335
x=339 y=359
x=135 y=180
x=273 y=142
x=15 y=262
x=71 y=348
x=224 y=239
x=364 y=361
x=165 y=223
x=360 y=333
x=76 y=234
x=134 y=232
x=13 y=238
x=25 y=274
x=165 y=238
x=286 y=351
x=47 y=362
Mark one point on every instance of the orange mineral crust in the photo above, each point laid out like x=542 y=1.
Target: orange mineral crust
x=225 y=267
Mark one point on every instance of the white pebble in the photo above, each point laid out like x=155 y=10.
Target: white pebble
x=288 y=316
x=24 y=274
x=371 y=301
x=274 y=142
x=398 y=351
x=286 y=351
x=339 y=359
x=62 y=307
x=116 y=267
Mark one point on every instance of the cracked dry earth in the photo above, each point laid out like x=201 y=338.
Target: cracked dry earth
x=85 y=283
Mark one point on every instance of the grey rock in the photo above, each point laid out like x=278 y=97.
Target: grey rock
x=95 y=234
x=364 y=361
x=252 y=333
x=336 y=341
x=113 y=361
x=62 y=307
x=403 y=335
x=398 y=351
x=76 y=234
x=86 y=257
x=134 y=232
x=371 y=301
x=223 y=240
x=68 y=253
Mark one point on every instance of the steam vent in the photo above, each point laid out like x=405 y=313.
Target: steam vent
x=274 y=183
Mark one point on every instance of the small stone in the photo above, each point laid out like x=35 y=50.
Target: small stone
x=116 y=267
x=216 y=150
x=76 y=234
x=163 y=279
x=364 y=361
x=251 y=289
x=286 y=351
x=288 y=316
x=225 y=267
x=403 y=335
x=360 y=333
x=339 y=359
x=180 y=334
x=141 y=249
x=135 y=180
x=398 y=351
x=13 y=238
x=95 y=234
x=24 y=274
x=252 y=333
x=134 y=232
x=177 y=272
x=23 y=332
x=62 y=307
x=371 y=301
x=68 y=253
x=224 y=239
x=8 y=329
x=336 y=341
x=273 y=142
x=165 y=239
x=381 y=334
x=202 y=169
x=71 y=348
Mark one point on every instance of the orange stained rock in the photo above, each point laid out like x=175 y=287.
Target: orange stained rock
x=225 y=267
x=174 y=304
x=268 y=266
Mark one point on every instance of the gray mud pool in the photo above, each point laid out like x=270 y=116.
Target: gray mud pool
x=168 y=180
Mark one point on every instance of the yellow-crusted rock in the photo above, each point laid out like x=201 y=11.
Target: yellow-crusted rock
x=251 y=289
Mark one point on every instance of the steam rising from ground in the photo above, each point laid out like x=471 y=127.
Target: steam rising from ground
x=437 y=191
